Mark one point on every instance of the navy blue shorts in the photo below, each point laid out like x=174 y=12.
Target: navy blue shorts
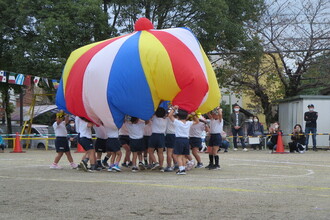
x=113 y=145
x=215 y=140
x=62 y=144
x=137 y=145
x=181 y=146
x=100 y=145
x=169 y=140
x=146 y=141
x=124 y=139
x=86 y=143
x=195 y=142
x=157 y=141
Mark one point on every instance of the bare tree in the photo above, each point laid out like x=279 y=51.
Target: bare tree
x=294 y=34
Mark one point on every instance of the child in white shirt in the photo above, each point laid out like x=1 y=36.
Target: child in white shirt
x=182 y=127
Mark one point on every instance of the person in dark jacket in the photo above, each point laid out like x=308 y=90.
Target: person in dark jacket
x=255 y=129
x=311 y=127
x=298 y=140
x=237 y=120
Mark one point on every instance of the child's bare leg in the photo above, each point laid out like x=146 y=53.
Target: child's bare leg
x=127 y=153
x=91 y=156
x=118 y=156
x=135 y=155
x=58 y=157
x=195 y=153
x=98 y=155
x=140 y=156
x=113 y=157
x=69 y=156
x=152 y=158
x=160 y=154
x=181 y=159
x=169 y=156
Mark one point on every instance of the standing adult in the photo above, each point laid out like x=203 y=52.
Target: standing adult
x=311 y=117
x=237 y=120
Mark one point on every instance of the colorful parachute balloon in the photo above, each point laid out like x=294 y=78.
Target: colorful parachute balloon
x=133 y=73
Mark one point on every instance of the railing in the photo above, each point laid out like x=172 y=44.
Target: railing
x=47 y=137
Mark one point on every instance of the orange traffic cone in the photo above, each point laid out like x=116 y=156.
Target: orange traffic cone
x=208 y=150
x=80 y=149
x=17 y=146
x=279 y=145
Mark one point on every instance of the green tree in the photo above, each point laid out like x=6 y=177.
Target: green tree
x=46 y=32
x=218 y=24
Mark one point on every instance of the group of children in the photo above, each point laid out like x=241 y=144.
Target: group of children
x=175 y=131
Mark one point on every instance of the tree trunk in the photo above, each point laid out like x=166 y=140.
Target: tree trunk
x=266 y=105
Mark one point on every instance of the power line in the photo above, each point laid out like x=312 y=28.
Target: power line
x=269 y=51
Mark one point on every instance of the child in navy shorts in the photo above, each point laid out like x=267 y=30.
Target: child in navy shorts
x=157 y=139
x=215 y=139
x=100 y=144
x=135 y=132
x=182 y=127
x=195 y=139
x=113 y=146
x=169 y=144
x=146 y=137
x=124 y=141
x=84 y=129
x=61 y=141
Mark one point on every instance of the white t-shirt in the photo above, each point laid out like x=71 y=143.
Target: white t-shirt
x=158 y=125
x=196 y=130
x=170 y=128
x=112 y=132
x=216 y=127
x=100 y=132
x=135 y=131
x=182 y=129
x=123 y=130
x=60 y=129
x=82 y=128
x=147 y=129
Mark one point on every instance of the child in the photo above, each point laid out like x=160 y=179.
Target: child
x=146 y=137
x=157 y=139
x=135 y=132
x=100 y=144
x=113 y=146
x=195 y=139
x=61 y=141
x=84 y=128
x=124 y=141
x=216 y=124
x=182 y=127
x=169 y=144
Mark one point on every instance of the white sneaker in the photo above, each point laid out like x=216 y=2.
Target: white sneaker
x=190 y=165
x=55 y=167
x=73 y=165
x=235 y=149
x=245 y=149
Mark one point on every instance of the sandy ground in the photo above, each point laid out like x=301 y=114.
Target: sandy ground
x=250 y=185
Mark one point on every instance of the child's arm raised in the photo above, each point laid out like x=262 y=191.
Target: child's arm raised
x=171 y=114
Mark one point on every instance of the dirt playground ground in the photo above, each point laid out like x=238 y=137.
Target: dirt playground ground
x=250 y=185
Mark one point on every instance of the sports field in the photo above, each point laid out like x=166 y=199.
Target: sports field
x=250 y=185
